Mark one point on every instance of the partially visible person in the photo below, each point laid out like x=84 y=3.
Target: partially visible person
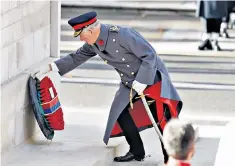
x=179 y=142
x=212 y=13
x=226 y=20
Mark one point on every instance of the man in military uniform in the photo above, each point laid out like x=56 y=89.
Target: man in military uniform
x=139 y=68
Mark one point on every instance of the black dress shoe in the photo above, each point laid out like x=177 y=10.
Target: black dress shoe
x=128 y=157
x=205 y=45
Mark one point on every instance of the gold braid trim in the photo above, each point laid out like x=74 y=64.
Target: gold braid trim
x=140 y=96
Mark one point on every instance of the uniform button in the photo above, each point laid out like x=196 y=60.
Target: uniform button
x=126 y=83
x=127 y=65
x=121 y=74
x=123 y=59
x=114 y=40
x=106 y=61
x=132 y=73
x=117 y=51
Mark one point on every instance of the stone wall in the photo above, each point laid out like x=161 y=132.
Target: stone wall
x=30 y=33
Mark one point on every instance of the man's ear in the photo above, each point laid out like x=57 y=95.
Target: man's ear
x=90 y=30
x=191 y=153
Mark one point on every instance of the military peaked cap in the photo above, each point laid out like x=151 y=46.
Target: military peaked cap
x=82 y=21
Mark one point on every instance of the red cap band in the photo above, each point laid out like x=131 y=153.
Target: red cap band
x=79 y=26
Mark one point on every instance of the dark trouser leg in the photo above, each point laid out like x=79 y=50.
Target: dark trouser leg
x=216 y=33
x=213 y=25
x=131 y=133
x=206 y=36
x=217 y=23
x=213 y=28
x=154 y=113
x=209 y=25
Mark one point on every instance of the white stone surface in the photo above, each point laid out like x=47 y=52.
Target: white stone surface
x=13 y=60
x=11 y=34
x=36 y=20
x=25 y=125
x=28 y=25
x=4 y=63
x=55 y=28
x=41 y=42
x=26 y=52
x=34 y=6
x=26 y=45
x=11 y=16
x=7 y=136
x=21 y=2
x=8 y=99
x=22 y=99
x=8 y=5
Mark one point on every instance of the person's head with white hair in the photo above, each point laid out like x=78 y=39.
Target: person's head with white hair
x=179 y=141
x=91 y=33
x=86 y=26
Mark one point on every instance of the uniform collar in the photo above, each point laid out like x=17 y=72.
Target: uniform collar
x=103 y=37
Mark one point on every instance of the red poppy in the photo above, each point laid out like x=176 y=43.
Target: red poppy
x=101 y=42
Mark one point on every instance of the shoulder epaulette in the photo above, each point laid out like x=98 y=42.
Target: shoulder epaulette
x=114 y=29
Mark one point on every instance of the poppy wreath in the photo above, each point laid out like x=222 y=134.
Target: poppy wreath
x=46 y=106
x=50 y=104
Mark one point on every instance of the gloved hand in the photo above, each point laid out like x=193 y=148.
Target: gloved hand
x=138 y=87
x=47 y=68
x=43 y=70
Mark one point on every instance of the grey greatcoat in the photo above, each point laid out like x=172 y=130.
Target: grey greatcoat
x=132 y=57
x=210 y=9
